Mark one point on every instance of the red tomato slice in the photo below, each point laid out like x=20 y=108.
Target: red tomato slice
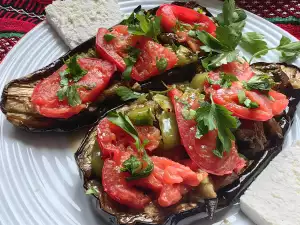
x=266 y=110
x=201 y=150
x=169 y=179
x=115 y=51
x=151 y=51
x=243 y=71
x=170 y=14
x=112 y=139
x=115 y=185
x=44 y=96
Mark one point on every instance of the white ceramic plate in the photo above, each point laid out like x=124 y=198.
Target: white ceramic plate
x=39 y=179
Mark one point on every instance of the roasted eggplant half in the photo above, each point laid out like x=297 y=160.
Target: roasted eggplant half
x=17 y=98
x=257 y=143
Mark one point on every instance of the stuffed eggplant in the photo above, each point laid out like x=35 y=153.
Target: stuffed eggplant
x=79 y=87
x=190 y=149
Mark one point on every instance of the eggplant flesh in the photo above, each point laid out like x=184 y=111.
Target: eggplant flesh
x=229 y=188
x=16 y=96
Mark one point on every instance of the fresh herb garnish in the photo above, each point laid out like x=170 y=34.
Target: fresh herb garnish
x=135 y=168
x=211 y=116
x=225 y=81
x=108 y=37
x=133 y=54
x=145 y=24
x=92 y=191
x=161 y=64
x=127 y=94
x=261 y=82
x=255 y=44
x=243 y=100
x=228 y=35
x=73 y=72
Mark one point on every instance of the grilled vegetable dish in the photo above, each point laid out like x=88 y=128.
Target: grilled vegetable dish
x=79 y=87
x=184 y=149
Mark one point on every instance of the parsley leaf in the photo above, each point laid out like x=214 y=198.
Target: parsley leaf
x=135 y=167
x=131 y=19
x=213 y=61
x=212 y=116
x=254 y=43
x=261 y=82
x=246 y=101
x=133 y=54
x=144 y=24
x=108 y=37
x=74 y=69
x=70 y=92
x=289 y=50
x=127 y=94
x=225 y=81
x=161 y=64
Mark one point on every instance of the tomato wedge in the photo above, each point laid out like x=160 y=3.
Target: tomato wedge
x=112 y=139
x=228 y=97
x=242 y=71
x=115 y=185
x=170 y=14
x=201 y=150
x=115 y=51
x=146 y=66
x=44 y=96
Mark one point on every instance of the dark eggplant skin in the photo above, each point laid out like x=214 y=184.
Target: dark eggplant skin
x=189 y=206
x=16 y=96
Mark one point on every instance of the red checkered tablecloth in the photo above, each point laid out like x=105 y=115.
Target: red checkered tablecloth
x=17 y=17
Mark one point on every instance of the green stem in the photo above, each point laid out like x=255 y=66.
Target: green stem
x=257 y=53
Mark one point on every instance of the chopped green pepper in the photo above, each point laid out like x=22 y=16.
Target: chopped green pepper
x=185 y=56
x=97 y=161
x=141 y=116
x=198 y=81
x=164 y=102
x=169 y=130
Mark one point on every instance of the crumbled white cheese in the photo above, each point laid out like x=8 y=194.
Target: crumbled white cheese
x=78 y=20
x=274 y=197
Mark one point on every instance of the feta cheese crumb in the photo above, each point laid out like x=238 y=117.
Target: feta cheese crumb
x=78 y=20
x=273 y=198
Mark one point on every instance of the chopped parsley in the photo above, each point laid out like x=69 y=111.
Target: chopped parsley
x=134 y=165
x=243 y=100
x=211 y=116
x=225 y=81
x=127 y=94
x=262 y=82
x=73 y=73
x=133 y=54
x=161 y=64
x=108 y=37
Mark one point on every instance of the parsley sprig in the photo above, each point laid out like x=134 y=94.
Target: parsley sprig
x=134 y=165
x=225 y=81
x=73 y=73
x=143 y=23
x=255 y=44
x=262 y=82
x=211 y=116
x=222 y=48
